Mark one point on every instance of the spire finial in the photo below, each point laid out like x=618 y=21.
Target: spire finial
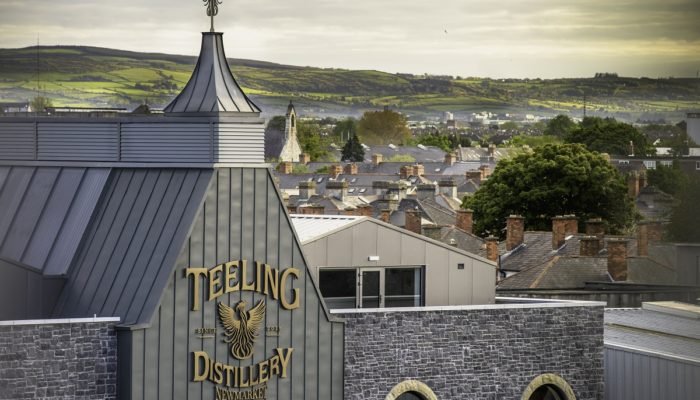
x=212 y=10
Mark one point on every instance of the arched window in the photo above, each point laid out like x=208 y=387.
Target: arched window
x=411 y=390
x=548 y=387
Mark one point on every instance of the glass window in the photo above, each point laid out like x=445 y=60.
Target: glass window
x=403 y=287
x=650 y=164
x=697 y=165
x=338 y=287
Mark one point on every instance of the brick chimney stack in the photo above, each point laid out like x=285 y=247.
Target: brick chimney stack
x=475 y=176
x=492 y=248
x=642 y=239
x=377 y=159
x=286 y=168
x=418 y=170
x=304 y=158
x=558 y=231
x=335 y=170
x=485 y=172
x=351 y=169
x=337 y=189
x=596 y=227
x=633 y=184
x=405 y=171
x=448 y=187
x=307 y=189
x=590 y=246
x=432 y=231
x=313 y=209
x=515 y=231
x=425 y=191
x=617 y=259
x=413 y=221
x=571 y=227
x=365 y=210
x=385 y=215
x=465 y=220
x=450 y=159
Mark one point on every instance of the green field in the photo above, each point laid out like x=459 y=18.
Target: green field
x=88 y=76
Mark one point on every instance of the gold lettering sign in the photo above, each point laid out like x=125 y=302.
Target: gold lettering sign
x=242 y=324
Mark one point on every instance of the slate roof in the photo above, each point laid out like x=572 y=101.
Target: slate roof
x=430 y=210
x=654 y=331
x=425 y=154
x=560 y=273
x=481 y=154
x=462 y=240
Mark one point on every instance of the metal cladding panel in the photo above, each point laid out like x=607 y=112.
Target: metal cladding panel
x=129 y=250
x=166 y=142
x=18 y=141
x=78 y=141
x=25 y=293
x=235 y=143
x=44 y=212
x=242 y=218
x=631 y=375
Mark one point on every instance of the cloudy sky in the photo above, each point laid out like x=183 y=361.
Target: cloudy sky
x=506 y=38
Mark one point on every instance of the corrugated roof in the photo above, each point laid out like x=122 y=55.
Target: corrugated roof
x=655 y=332
x=309 y=227
x=212 y=87
x=44 y=212
x=131 y=247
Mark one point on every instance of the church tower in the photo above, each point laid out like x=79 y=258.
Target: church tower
x=291 y=149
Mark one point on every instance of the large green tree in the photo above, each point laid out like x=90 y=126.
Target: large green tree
x=610 y=136
x=309 y=135
x=685 y=218
x=560 y=126
x=549 y=181
x=669 y=179
x=353 y=150
x=383 y=127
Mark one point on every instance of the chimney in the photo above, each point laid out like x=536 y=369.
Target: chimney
x=413 y=221
x=307 y=189
x=655 y=230
x=380 y=187
x=475 y=176
x=351 y=211
x=286 y=167
x=405 y=171
x=335 y=170
x=365 y=210
x=485 y=172
x=385 y=215
x=642 y=180
x=617 y=259
x=633 y=185
x=465 y=220
x=450 y=159
x=425 y=191
x=589 y=246
x=492 y=248
x=515 y=231
x=418 y=170
x=304 y=158
x=558 y=232
x=337 y=189
x=433 y=231
x=448 y=187
x=396 y=191
x=596 y=227
x=492 y=150
x=377 y=159
x=571 y=227
x=351 y=169
x=314 y=209
x=642 y=239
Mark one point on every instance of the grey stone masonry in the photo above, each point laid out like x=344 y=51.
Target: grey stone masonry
x=58 y=361
x=488 y=353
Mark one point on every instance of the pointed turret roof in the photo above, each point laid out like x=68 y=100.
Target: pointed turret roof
x=290 y=108
x=212 y=87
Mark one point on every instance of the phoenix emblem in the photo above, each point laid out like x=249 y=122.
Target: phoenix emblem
x=241 y=332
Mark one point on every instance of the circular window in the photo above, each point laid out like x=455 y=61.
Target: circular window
x=548 y=387
x=411 y=390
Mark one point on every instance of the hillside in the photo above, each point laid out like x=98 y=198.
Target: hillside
x=89 y=76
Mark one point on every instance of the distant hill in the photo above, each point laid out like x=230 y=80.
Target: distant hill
x=91 y=76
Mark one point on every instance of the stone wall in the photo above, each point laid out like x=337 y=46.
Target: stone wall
x=58 y=361
x=474 y=353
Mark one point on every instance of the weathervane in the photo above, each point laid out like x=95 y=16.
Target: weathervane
x=212 y=10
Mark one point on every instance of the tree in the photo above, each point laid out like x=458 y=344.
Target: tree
x=346 y=128
x=685 y=218
x=40 y=103
x=383 y=127
x=549 y=181
x=309 y=135
x=610 y=136
x=353 y=150
x=560 y=126
x=669 y=180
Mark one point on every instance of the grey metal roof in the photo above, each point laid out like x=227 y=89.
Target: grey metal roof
x=655 y=332
x=212 y=87
x=309 y=227
x=131 y=247
x=44 y=212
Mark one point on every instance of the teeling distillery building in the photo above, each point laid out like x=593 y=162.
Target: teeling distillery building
x=152 y=257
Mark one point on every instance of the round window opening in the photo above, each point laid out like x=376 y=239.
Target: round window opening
x=548 y=392
x=411 y=396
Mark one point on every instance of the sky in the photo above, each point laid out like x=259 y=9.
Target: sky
x=498 y=39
